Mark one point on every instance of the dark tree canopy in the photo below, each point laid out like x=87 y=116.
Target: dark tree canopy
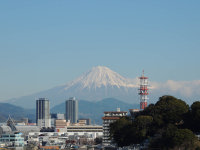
x=125 y=132
x=192 y=118
x=167 y=124
x=195 y=106
x=171 y=109
x=167 y=110
x=119 y=131
x=174 y=138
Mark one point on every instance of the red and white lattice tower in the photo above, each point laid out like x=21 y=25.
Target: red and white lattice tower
x=143 y=91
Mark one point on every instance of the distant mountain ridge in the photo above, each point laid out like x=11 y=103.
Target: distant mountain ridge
x=96 y=84
x=15 y=112
x=87 y=109
x=101 y=82
x=95 y=110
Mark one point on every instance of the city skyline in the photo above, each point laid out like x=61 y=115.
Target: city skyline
x=46 y=44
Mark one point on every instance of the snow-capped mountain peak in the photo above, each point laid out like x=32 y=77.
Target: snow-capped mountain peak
x=101 y=82
x=101 y=76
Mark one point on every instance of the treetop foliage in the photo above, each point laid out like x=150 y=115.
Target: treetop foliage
x=166 y=124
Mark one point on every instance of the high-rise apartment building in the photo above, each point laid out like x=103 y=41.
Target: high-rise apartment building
x=110 y=117
x=72 y=110
x=43 y=118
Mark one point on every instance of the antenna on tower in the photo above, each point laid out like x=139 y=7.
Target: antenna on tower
x=143 y=91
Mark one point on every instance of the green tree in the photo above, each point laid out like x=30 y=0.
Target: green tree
x=195 y=115
x=167 y=110
x=171 y=109
x=119 y=131
x=143 y=122
x=125 y=132
x=184 y=138
x=174 y=138
x=163 y=141
x=119 y=124
x=195 y=106
x=192 y=118
x=164 y=123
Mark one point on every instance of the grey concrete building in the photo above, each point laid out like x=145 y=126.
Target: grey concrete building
x=43 y=118
x=72 y=110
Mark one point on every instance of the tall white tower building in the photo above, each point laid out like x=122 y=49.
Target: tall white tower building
x=43 y=118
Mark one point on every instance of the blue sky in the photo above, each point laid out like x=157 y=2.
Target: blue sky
x=47 y=43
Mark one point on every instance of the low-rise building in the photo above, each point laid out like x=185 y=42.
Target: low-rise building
x=92 y=130
x=12 y=139
x=55 y=117
x=82 y=122
x=74 y=135
x=87 y=121
x=61 y=125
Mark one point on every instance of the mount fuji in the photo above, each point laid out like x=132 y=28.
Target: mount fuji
x=101 y=82
x=98 y=83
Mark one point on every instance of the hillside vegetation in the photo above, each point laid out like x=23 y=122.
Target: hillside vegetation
x=170 y=124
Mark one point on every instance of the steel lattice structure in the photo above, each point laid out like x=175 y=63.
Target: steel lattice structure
x=143 y=91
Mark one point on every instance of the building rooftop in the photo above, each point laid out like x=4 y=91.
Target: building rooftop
x=119 y=112
x=110 y=118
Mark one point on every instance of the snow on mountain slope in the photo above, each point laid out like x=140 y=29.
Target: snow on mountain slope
x=98 y=83
x=101 y=76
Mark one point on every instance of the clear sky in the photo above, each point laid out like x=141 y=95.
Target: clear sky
x=47 y=43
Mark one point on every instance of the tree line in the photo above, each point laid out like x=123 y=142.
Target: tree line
x=169 y=124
